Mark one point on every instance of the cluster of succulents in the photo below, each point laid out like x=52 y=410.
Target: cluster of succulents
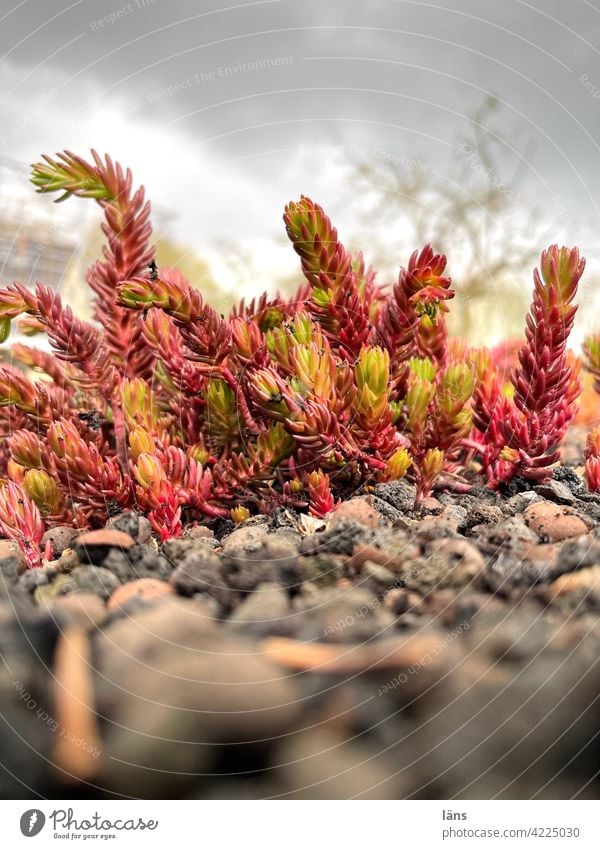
x=165 y=406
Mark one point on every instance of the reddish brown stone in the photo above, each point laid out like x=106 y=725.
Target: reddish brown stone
x=545 y=553
x=109 y=537
x=358 y=509
x=146 y=588
x=587 y=579
x=554 y=523
x=364 y=553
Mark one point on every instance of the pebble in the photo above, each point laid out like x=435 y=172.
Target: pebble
x=61 y=537
x=481 y=514
x=399 y=494
x=93 y=546
x=12 y=560
x=553 y=523
x=266 y=612
x=148 y=589
x=365 y=552
x=82 y=609
x=556 y=491
x=135 y=525
x=87 y=579
x=447 y=563
x=200 y=572
x=587 y=579
x=358 y=509
x=431 y=506
x=345 y=614
x=198 y=532
x=246 y=538
x=337 y=539
x=178 y=697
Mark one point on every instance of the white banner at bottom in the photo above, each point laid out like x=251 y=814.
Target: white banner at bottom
x=301 y=824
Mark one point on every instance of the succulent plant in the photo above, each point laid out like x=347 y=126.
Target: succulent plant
x=523 y=434
x=162 y=405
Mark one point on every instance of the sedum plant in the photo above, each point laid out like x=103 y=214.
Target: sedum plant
x=523 y=433
x=165 y=406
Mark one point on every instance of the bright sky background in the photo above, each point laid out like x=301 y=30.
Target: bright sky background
x=227 y=110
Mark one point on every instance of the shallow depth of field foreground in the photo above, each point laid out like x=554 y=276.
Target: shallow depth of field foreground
x=315 y=548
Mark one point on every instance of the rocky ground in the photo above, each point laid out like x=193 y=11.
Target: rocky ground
x=451 y=652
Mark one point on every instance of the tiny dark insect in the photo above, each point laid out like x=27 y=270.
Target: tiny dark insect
x=92 y=418
x=153 y=270
x=276 y=397
x=112 y=507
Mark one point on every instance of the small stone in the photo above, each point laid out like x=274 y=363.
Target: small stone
x=358 y=509
x=31 y=579
x=431 y=506
x=345 y=614
x=399 y=494
x=385 y=509
x=47 y=592
x=405 y=524
x=177 y=696
x=12 y=560
x=436 y=527
x=67 y=561
x=511 y=534
x=454 y=514
x=544 y=555
x=198 y=532
x=364 y=552
x=580 y=552
x=586 y=579
x=481 y=514
x=200 y=573
x=450 y=563
x=82 y=609
x=93 y=546
x=149 y=589
x=61 y=537
x=247 y=538
x=518 y=503
x=145 y=531
x=570 y=478
x=178 y=548
x=337 y=539
x=266 y=612
x=137 y=526
x=378 y=578
x=554 y=490
x=553 y=523
x=140 y=561
x=401 y=600
x=322 y=570
x=88 y=579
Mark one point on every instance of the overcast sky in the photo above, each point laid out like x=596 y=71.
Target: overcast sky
x=221 y=108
